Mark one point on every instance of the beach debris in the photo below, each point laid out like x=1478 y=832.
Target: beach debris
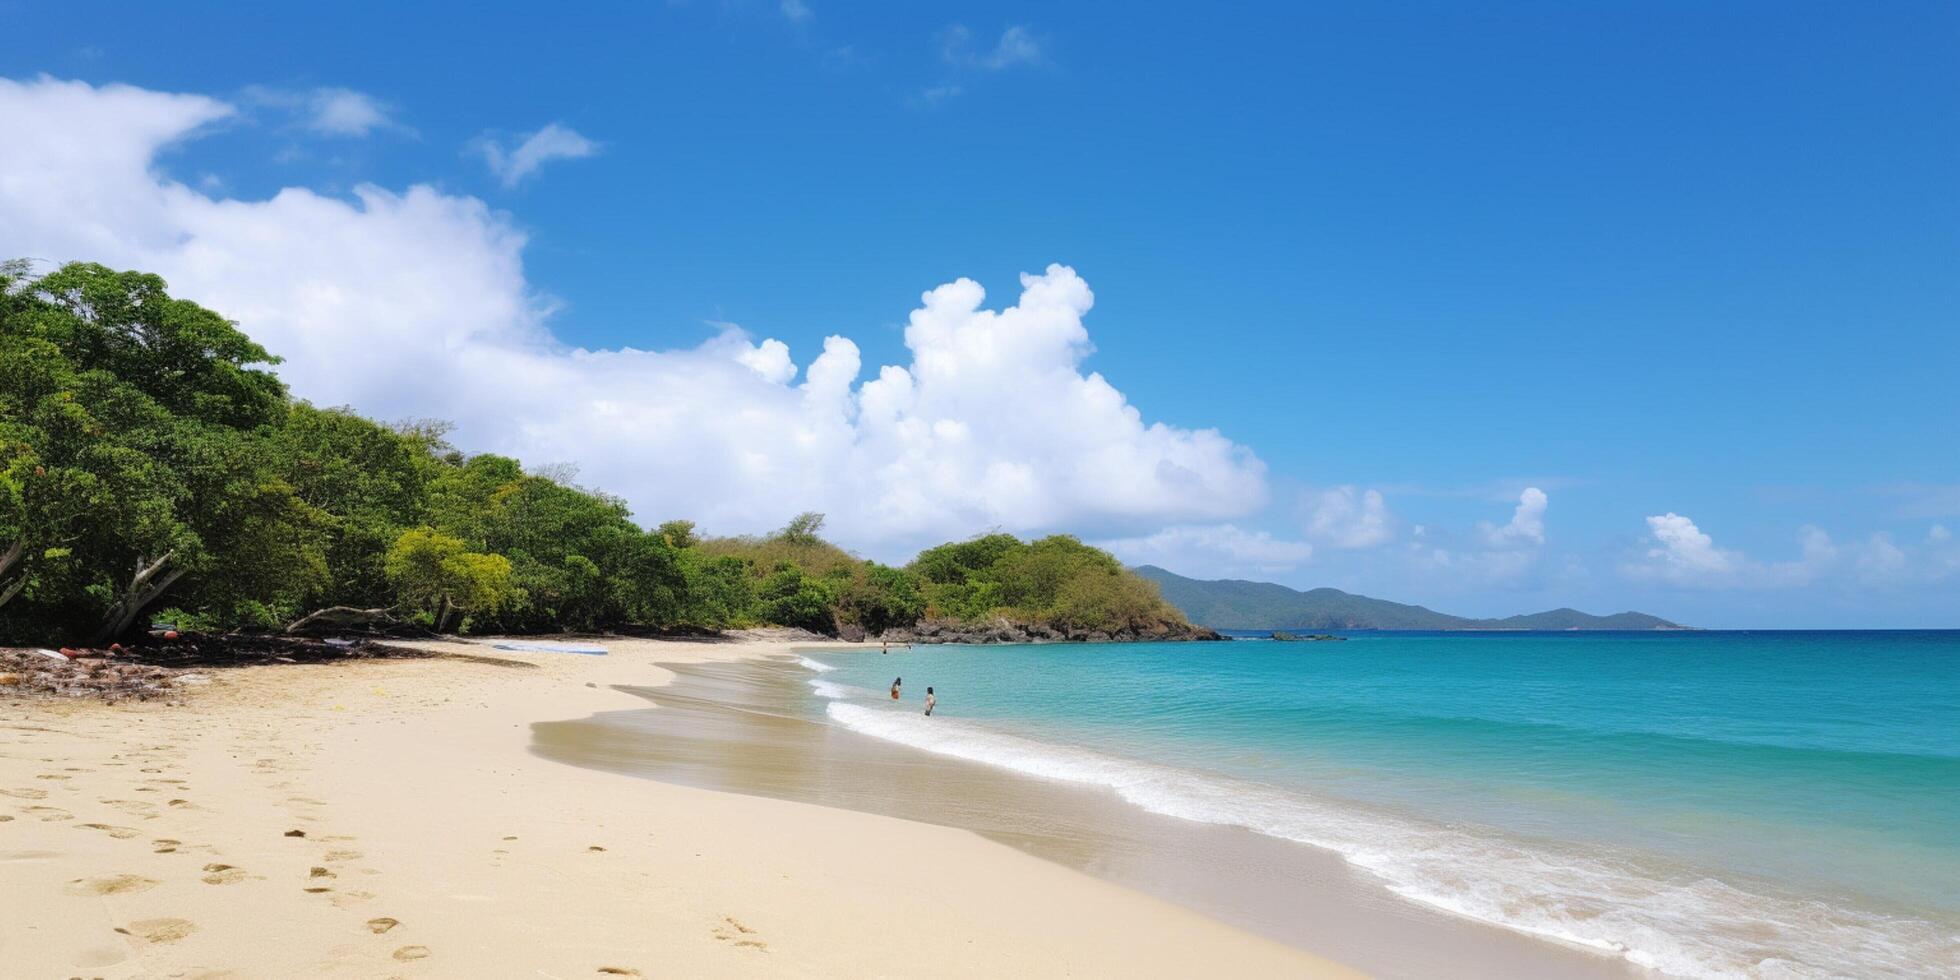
x=295 y=833
x=144 y=671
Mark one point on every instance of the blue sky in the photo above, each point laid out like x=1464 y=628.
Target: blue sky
x=1652 y=259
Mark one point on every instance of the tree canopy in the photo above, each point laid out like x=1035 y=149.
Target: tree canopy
x=151 y=465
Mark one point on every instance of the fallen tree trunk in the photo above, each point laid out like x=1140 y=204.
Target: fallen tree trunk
x=339 y=619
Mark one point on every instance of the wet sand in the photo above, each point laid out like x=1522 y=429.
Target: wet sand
x=754 y=728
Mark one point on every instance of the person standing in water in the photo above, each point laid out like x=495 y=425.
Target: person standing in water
x=931 y=699
x=896 y=681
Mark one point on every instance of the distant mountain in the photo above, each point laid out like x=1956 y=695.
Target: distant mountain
x=1238 y=604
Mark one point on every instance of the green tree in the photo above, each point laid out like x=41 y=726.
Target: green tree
x=370 y=482
x=879 y=597
x=803 y=529
x=720 y=591
x=790 y=597
x=135 y=426
x=433 y=572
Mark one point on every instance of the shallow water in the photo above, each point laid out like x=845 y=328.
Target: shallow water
x=756 y=728
x=1708 y=804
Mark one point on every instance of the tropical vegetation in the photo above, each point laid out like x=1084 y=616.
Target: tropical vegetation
x=153 y=467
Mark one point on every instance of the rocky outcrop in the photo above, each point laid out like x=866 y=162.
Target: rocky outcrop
x=1002 y=630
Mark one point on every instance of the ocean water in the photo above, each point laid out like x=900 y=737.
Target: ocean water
x=1702 y=803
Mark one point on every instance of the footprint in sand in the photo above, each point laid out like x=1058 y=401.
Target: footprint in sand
x=119 y=833
x=50 y=814
x=4 y=817
x=25 y=793
x=135 y=808
x=159 y=930
x=52 y=775
x=382 y=924
x=165 y=845
x=111 y=885
x=347 y=900
x=619 y=971
x=223 y=874
x=733 y=934
x=341 y=856
x=407 y=953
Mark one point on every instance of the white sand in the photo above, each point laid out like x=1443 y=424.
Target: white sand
x=150 y=840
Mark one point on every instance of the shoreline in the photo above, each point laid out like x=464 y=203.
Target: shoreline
x=759 y=728
x=388 y=817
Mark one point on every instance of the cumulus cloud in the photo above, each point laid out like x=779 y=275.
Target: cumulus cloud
x=329 y=111
x=1527 y=527
x=1681 y=553
x=1348 y=517
x=553 y=142
x=1212 y=550
x=408 y=303
x=1498 y=553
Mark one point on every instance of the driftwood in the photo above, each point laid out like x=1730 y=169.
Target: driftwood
x=341 y=619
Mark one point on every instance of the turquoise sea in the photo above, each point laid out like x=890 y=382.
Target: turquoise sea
x=1703 y=803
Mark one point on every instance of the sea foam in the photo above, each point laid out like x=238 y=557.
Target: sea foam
x=1685 y=925
x=816 y=665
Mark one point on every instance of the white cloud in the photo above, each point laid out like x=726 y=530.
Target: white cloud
x=1347 y=517
x=1501 y=553
x=795 y=11
x=414 y=303
x=553 y=142
x=1684 y=555
x=1017 y=46
x=1212 y=551
x=345 y=112
x=328 y=111
x=1527 y=527
x=1684 y=552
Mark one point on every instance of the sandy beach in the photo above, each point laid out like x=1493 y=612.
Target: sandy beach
x=387 y=818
